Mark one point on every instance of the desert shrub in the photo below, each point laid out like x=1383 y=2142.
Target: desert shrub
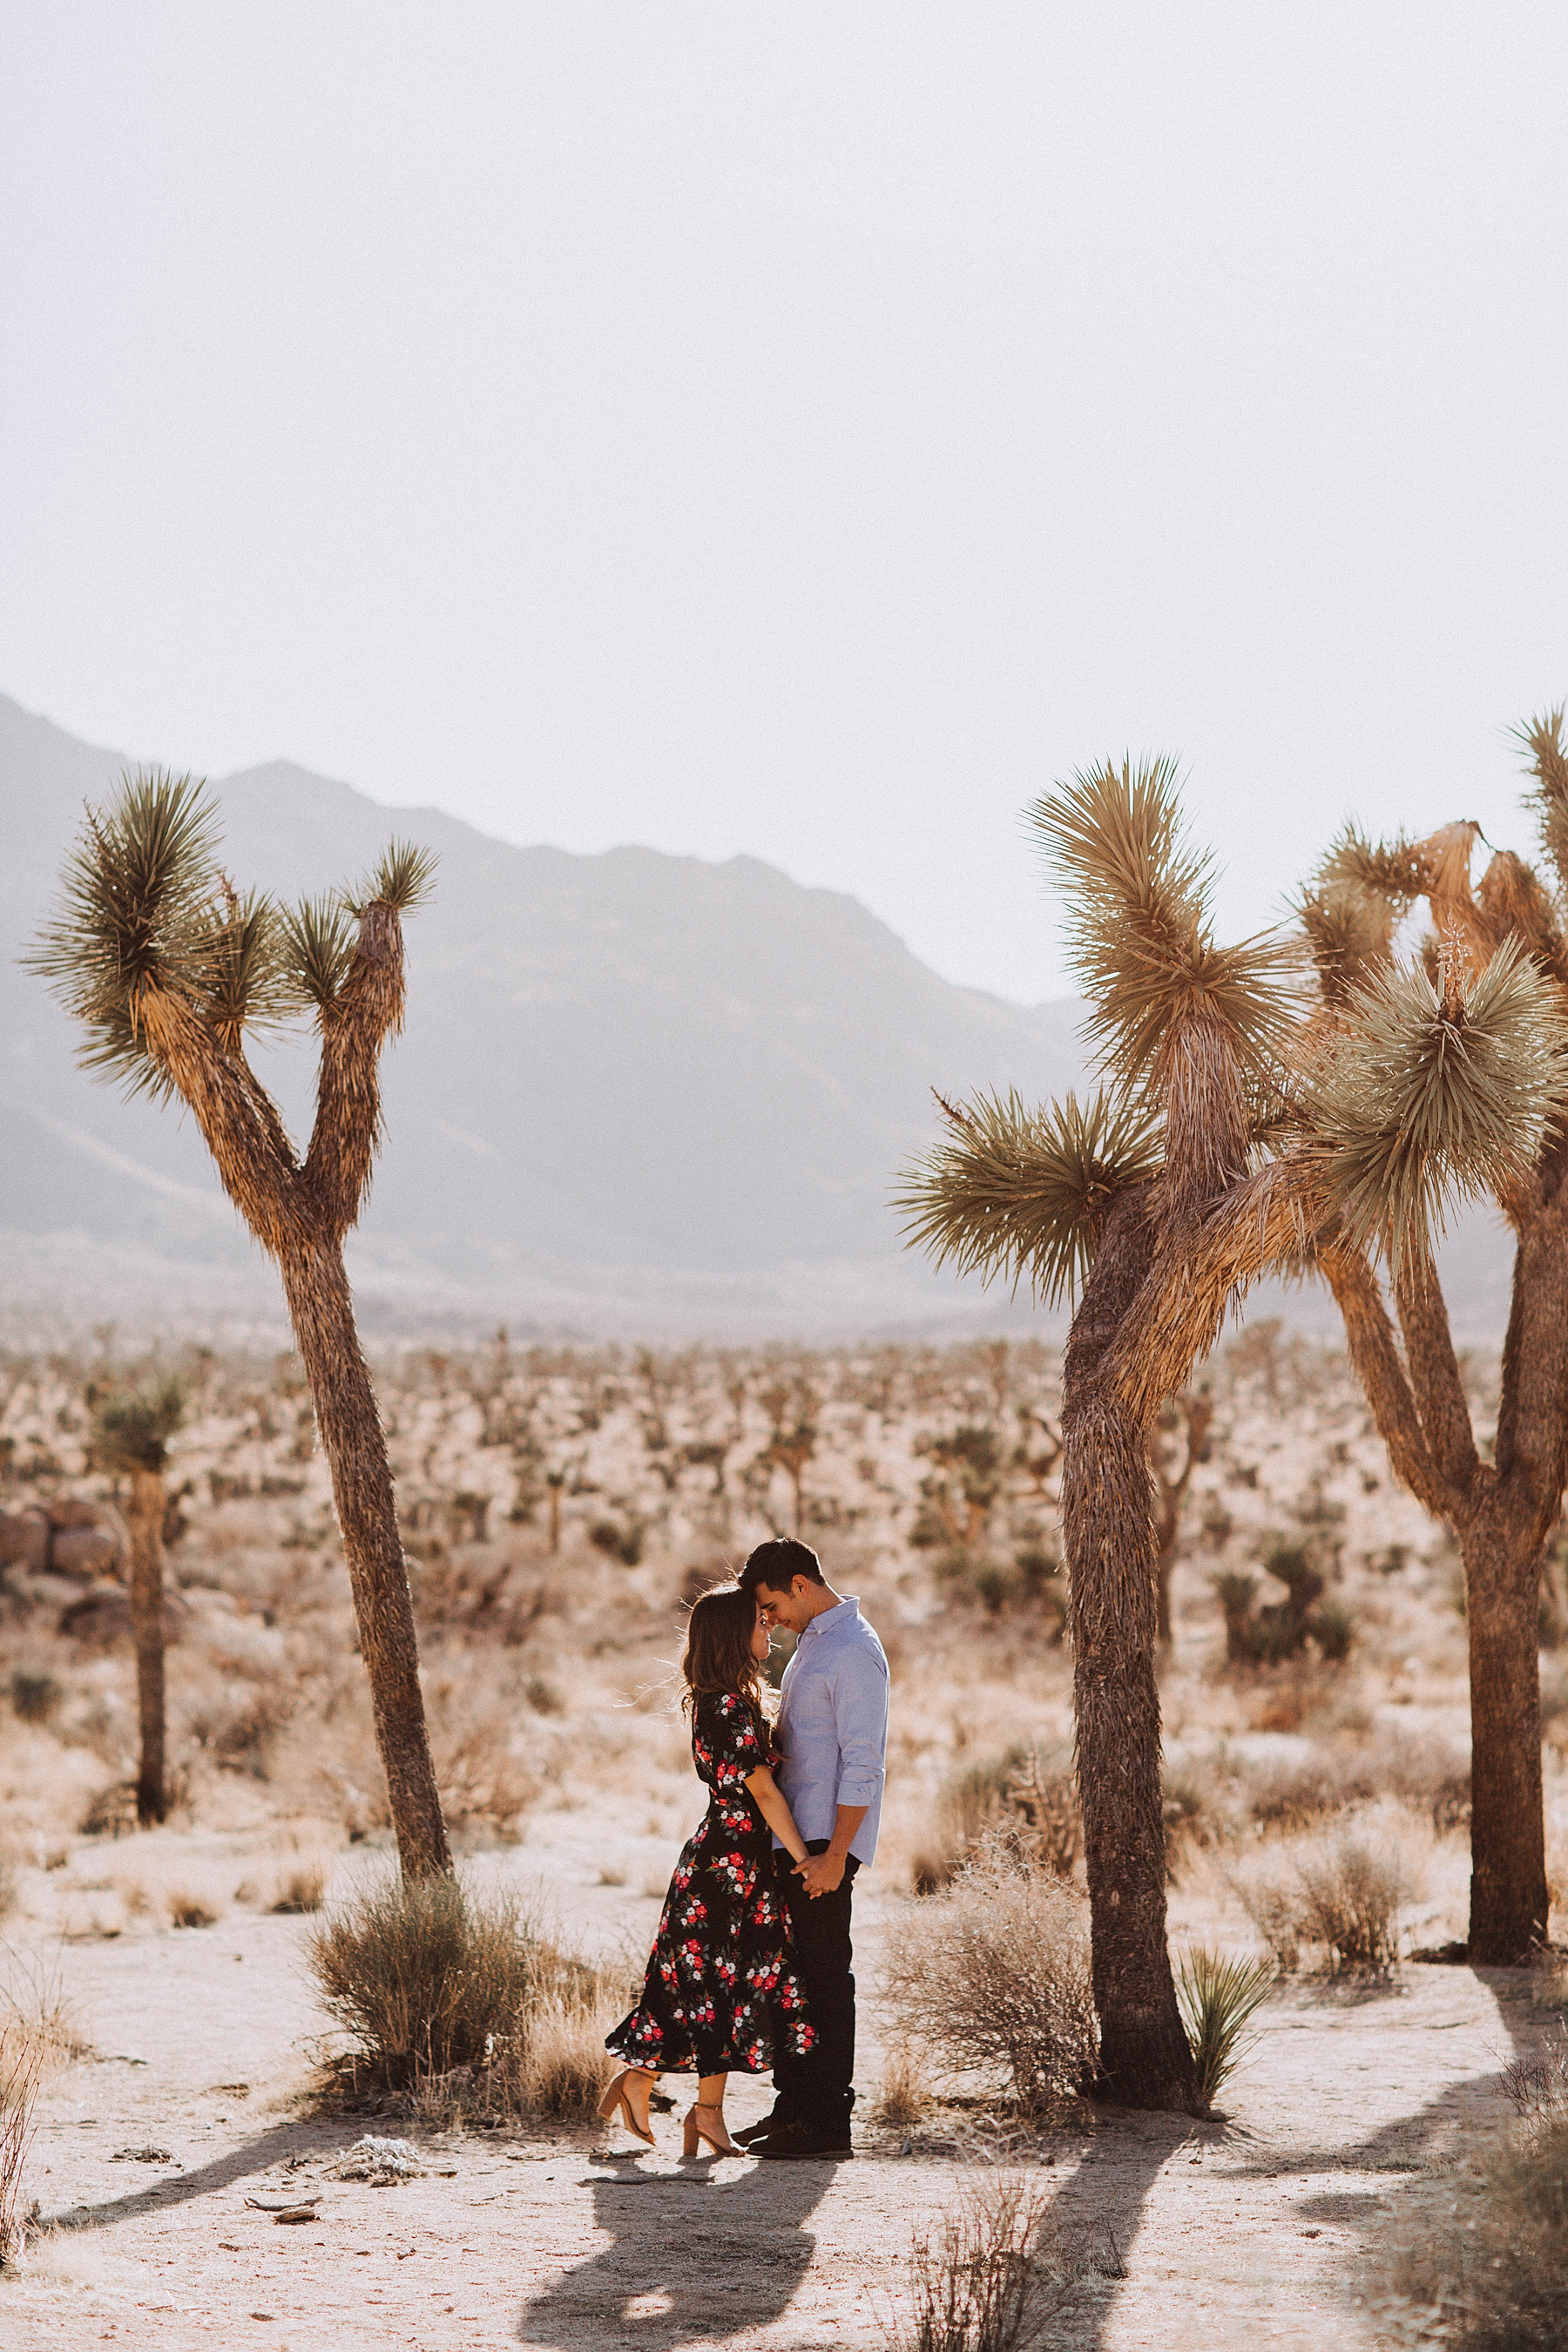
x=994 y=1974
x=429 y=1978
x=1274 y=1630
x=619 y=1540
x=299 y=1886
x=1350 y=1899
x=991 y=2276
x=22 y=2063
x=1537 y=2084
x=1485 y=2266
x=904 y=2093
x=191 y=1905
x=35 y=1697
x=1217 y=1996
x=1028 y=1801
x=1346 y=1894
x=1196 y=1813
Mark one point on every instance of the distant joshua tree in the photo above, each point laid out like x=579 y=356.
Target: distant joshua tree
x=167 y=967
x=131 y=1433
x=1257 y=1122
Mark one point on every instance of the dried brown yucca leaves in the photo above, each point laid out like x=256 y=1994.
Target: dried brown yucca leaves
x=1542 y=738
x=1141 y=940
x=1350 y=932
x=1384 y=870
x=1022 y=1192
x=1423 y=1104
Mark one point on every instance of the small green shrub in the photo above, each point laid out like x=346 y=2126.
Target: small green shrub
x=35 y=1697
x=1217 y=1996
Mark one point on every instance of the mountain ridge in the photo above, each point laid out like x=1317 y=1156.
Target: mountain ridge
x=699 y=1076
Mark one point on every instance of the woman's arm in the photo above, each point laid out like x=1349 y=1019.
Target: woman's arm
x=773 y=1806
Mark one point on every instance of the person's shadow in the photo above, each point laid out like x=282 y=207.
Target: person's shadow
x=693 y=2258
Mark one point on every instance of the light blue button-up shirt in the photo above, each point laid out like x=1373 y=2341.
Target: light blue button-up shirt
x=833 y=1726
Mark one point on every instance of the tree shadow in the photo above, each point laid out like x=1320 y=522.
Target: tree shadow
x=1100 y=2206
x=255 y=2156
x=693 y=2259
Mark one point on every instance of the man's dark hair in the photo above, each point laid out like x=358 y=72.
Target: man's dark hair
x=778 y=1563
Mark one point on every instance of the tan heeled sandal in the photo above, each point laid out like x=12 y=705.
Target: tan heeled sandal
x=715 y=2131
x=616 y=2098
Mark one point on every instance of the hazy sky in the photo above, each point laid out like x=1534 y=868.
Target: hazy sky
x=802 y=429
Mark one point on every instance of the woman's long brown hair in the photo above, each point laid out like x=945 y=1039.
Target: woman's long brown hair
x=719 y=1648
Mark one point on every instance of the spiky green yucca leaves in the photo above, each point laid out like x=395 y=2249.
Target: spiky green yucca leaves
x=145 y=907
x=404 y=879
x=1217 y=1996
x=319 y=943
x=1420 y=1105
x=131 y=1428
x=136 y=913
x=1017 y=1192
x=1139 y=928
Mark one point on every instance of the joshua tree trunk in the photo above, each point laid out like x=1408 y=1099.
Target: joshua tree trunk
x=300 y=1214
x=145 y=1519
x=349 y=1420
x=1108 y=1499
x=1508 y=1842
x=1501 y=1513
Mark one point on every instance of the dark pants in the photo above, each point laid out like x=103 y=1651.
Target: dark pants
x=817 y=2091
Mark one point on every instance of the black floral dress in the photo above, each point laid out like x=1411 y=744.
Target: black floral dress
x=719 y=1995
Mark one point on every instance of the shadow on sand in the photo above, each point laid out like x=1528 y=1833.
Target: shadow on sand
x=692 y=2257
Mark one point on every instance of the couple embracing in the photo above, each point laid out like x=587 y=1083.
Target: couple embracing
x=751 y=1968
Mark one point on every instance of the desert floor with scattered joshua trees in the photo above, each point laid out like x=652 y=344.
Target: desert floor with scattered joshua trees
x=560 y=1507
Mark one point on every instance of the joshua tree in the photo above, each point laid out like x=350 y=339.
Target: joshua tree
x=130 y=1435
x=1188 y=1418
x=167 y=967
x=1243 y=1132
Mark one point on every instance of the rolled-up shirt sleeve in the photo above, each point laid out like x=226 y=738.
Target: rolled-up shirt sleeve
x=860 y=1713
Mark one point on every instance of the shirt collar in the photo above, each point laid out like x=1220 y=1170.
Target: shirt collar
x=832 y=1619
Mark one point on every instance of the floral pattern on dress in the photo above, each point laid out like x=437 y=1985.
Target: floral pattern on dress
x=721 y=1996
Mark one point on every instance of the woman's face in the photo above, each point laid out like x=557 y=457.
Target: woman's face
x=761 y=1640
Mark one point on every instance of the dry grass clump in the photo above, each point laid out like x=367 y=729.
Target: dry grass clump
x=1343 y=1894
x=1486 y=2268
x=991 y=2276
x=1028 y=1800
x=905 y=2093
x=1538 y=2084
x=22 y=2065
x=431 y=1981
x=993 y=1974
x=39 y=2032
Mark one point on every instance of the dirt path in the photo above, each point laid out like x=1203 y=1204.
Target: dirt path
x=1239 y=2233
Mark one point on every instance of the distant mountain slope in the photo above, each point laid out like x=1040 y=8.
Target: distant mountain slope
x=699 y=1078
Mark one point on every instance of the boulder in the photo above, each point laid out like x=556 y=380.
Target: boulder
x=84 y=1551
x=101 y=1618
x=24 y=1541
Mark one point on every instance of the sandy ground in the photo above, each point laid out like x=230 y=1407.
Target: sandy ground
x=1241 y=2232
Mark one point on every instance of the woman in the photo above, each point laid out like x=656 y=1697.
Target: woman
x=719 y=1991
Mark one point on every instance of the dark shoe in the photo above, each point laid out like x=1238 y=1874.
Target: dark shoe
x=751 y=2133
x=794 y=2142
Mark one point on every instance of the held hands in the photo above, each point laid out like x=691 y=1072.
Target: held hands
x=820 y=1873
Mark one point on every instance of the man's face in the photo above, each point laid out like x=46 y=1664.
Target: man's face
x=791 y=1610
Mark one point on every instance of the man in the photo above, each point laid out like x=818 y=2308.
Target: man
x=833 y=1732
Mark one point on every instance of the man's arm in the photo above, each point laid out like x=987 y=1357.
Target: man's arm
x=821 y=1873
x=860 y=1710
